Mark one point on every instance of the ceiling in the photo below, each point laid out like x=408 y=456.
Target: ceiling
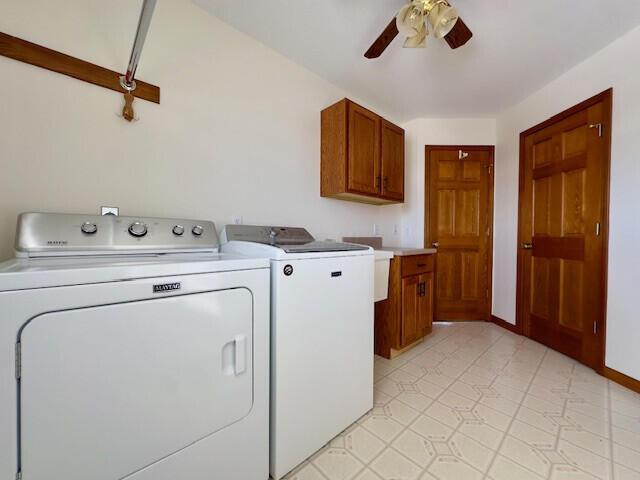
x=518 y=47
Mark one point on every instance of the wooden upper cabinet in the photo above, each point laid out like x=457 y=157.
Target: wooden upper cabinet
x=363 y=164
x=362 y=156
x=392 y=151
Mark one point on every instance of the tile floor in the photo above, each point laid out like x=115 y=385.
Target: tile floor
x=474 y=401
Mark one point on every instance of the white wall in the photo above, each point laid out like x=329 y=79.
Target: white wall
x=237 y=132
x=431 y=131
x=615 y=66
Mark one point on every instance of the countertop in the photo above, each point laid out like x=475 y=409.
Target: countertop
x=376 y=243
x=405 y=252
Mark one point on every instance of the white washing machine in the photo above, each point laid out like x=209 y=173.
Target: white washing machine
x=321 y=336
x=131 y=349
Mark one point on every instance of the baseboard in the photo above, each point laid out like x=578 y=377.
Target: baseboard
x=622 y=379
x=504 y=324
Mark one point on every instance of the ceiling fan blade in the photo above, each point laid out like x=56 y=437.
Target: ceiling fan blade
x=383 y=41
x=459 y=34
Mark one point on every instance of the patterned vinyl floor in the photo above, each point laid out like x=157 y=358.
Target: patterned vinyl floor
x=474 y=401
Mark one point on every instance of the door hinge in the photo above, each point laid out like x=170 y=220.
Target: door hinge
x=598 y=229
x=18 y=360
x=486 y=293
x=598 y=126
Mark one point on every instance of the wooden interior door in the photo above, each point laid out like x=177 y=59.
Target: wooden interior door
x=363 y=166
x=392 y=153
x=459 y=210
x=562 y=230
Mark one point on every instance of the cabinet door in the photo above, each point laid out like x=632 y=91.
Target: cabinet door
x=363 y=167
x=410 y=329
x=425 y=304
x=392 y=152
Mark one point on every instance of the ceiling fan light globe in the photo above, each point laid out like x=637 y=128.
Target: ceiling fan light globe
x=443 y=18
x=417 y=41
x=412 y=43
x=409 y=21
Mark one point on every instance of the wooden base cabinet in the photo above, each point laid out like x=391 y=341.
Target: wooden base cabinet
x=406 y=316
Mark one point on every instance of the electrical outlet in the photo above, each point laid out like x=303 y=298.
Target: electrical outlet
x=395 y=229
x=376 y=229
x=237 y=220
x=407 y=233
x=110 y=211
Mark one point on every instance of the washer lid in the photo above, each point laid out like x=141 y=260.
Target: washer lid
x=322 y=246
x=288 y=239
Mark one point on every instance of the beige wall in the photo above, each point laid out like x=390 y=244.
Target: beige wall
x=237 y=132
x=614 y=66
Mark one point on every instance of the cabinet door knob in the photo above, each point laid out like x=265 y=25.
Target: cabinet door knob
x=435 y=244
x=527 y=246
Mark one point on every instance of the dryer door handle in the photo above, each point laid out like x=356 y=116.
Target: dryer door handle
x=240 y=354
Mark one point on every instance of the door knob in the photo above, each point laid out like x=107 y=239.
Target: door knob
x=435 y=244
x=527 y=246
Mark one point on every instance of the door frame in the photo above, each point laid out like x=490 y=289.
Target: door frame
x=606 y=97
x=490 y=194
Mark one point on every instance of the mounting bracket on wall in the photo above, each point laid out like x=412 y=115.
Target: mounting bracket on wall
x=127 y=81
x=39 y=56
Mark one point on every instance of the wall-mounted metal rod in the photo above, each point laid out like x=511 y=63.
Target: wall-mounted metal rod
x=127 y=80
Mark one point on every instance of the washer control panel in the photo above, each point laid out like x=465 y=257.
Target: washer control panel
x=44 y=234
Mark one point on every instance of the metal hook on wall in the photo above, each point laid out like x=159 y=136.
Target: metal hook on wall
x=127 y=81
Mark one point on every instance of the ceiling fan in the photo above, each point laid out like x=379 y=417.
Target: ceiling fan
x=415 y=20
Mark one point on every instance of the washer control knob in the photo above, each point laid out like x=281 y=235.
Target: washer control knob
x=178 y=230
x=89 y=228
x=138 y=229
x=197 y=230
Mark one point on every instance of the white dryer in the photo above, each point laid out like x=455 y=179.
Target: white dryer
x=132 y=349
x=321 y=336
